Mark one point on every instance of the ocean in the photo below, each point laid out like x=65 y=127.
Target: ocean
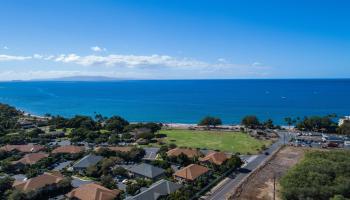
x=182 y=101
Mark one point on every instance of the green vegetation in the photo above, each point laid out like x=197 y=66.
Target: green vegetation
x=216 y=140
x=320 y=175
x=252 y=121
x=210 y=121
x=8 y=118
x=318 y=123
x=344 y=129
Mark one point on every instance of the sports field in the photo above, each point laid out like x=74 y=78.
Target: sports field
x=215 y=140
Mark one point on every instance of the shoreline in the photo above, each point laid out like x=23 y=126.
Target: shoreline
x=169 y=125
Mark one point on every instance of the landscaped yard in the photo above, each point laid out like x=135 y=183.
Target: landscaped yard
x=215 y=140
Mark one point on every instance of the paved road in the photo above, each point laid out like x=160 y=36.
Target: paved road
x=233 y=180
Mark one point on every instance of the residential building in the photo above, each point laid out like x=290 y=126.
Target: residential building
x=217 y=158
x=87 y=161
x=39 y=182
x=77 y=182
x=25 y=148
x=191 y=153
x=124 y=149
x=158 y=189
x=31 y=159
x=190 y=173
x=150 y=153
x=93 y=191
x=69 y=149
x=26 y=124
x=62 y=165
x=144 y=170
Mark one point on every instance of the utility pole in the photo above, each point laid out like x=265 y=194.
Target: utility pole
x=274 y=186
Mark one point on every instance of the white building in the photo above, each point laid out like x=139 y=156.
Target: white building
x=344 y=120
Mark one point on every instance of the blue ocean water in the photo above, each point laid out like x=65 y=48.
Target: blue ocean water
x=182 y=101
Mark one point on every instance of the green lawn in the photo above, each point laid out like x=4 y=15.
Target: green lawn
x=215 y=140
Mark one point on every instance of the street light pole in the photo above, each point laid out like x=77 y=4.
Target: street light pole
x=274 y=186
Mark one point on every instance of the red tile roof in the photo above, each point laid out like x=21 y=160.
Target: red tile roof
x=32 y=158
x=191 y=172
x=38 y=182
x=93 y=191
x=188 y=152
x=69 y=149
x=124 y=149
x=216 y=158
x=23 y=148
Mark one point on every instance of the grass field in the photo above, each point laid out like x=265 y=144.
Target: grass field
x=215 y=140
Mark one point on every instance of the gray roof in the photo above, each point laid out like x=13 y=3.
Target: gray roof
x=79 y=182
x=19 y=177
x=150 y=153
x=62 y=165
x=160 y=188
x=146 y=170
x=88 y=161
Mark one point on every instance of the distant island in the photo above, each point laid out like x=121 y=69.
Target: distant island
x=81 y=78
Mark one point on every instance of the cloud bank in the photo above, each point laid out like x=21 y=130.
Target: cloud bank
x=129 y=66
x=14 y=58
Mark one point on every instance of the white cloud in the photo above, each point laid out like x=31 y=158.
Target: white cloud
x=130 y=66
x=114 y=60
x=223 y=60
x=38 y=56
x=256 y=64
x=5 y=47
x=98 y=49
x=13 y=58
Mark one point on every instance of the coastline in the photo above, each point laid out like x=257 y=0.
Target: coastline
x=169 y=125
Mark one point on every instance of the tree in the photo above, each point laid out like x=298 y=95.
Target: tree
x=339 y=197
x=290 y=121
x=132 y=188
x=210 y=121
x=150 y=127
x=344 y=129
x=108 y=182
x=269 y=124
x=250 y=121
x=234 y=162
x=80 y=121
x=106 y=165
x=17 y=195
x=92 y=171
x=58 y=121
x=35 y=133
x=116 y=123
x=318 y=123
x=5 y=184
x=120 y=171
x=320 y=175
x=100 y=118
x=114 y=139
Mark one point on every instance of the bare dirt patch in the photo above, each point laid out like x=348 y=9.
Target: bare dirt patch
x=261 y=185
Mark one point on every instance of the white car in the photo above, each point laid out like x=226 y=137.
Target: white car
x=347 y=143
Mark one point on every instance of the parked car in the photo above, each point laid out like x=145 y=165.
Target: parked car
x=347 y=143
x=330 y=144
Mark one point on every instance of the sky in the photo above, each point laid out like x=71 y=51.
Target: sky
x=173 y=39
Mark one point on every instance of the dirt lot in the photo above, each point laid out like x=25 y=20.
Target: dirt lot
x=260 y=185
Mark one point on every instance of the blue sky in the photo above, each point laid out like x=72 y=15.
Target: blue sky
x=173 y=39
